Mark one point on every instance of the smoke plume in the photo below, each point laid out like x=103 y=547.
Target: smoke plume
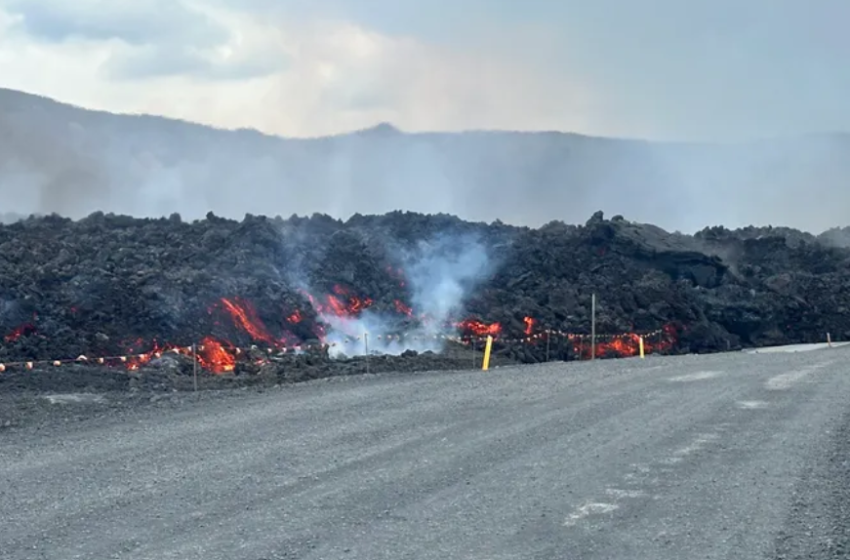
x=443 y=271
x=438 y=275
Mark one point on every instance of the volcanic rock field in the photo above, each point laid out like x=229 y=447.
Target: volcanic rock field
x=113 y=302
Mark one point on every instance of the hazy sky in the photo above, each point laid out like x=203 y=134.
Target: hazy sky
x=719 y=69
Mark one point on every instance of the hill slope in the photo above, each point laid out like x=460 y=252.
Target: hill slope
x=55 y=157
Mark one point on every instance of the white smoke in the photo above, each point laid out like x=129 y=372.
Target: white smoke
x=372 y=333
x=441 y=273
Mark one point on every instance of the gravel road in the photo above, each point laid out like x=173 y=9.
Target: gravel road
x=725 y=456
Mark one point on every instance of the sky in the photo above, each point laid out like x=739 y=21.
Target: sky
x=718 y=70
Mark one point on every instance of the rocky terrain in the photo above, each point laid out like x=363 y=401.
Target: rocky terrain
x=119 y=303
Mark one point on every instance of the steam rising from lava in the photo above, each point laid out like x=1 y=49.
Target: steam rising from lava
x=439 y=274
x=444 y=271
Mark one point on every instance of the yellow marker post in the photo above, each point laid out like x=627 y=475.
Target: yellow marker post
x=485 y=363
x=640 y=343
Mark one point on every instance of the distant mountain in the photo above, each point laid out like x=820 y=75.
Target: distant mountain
x=56 y=157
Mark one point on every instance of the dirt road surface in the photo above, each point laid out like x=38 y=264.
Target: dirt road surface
x=723 y=456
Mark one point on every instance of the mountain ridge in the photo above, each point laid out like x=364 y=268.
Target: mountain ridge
x=391 y=128
x=73 y=161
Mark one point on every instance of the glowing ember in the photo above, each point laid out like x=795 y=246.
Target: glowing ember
x=20 y=331
x=403 y=309
x=479 y=328
x=295 y=317
x=213 y=356
x=336 y=307
x=355 y=304
x=342 y=303
x=136 y=358
x=626 y=345
x=529 y=325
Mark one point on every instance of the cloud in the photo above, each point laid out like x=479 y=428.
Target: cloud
x=709 y=71
x=161 y=62
x=134 y=22
x=157 y=38
x=278 y=73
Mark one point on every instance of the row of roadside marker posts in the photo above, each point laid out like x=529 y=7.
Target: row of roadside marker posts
x=485 y=363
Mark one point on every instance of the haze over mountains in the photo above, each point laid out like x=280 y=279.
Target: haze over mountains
x=59 y=158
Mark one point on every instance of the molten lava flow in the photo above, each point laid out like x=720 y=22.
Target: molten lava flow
x=219 y=356
x=245 y=316
x=342 y=303
x=627 y=345
x=213 y=356
x=355 y=304
x=622 y=347
x=663 y=343
x=479 y=328
x=336 y=307
x=403 y=309
x=19 y=331
x=136 y=358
